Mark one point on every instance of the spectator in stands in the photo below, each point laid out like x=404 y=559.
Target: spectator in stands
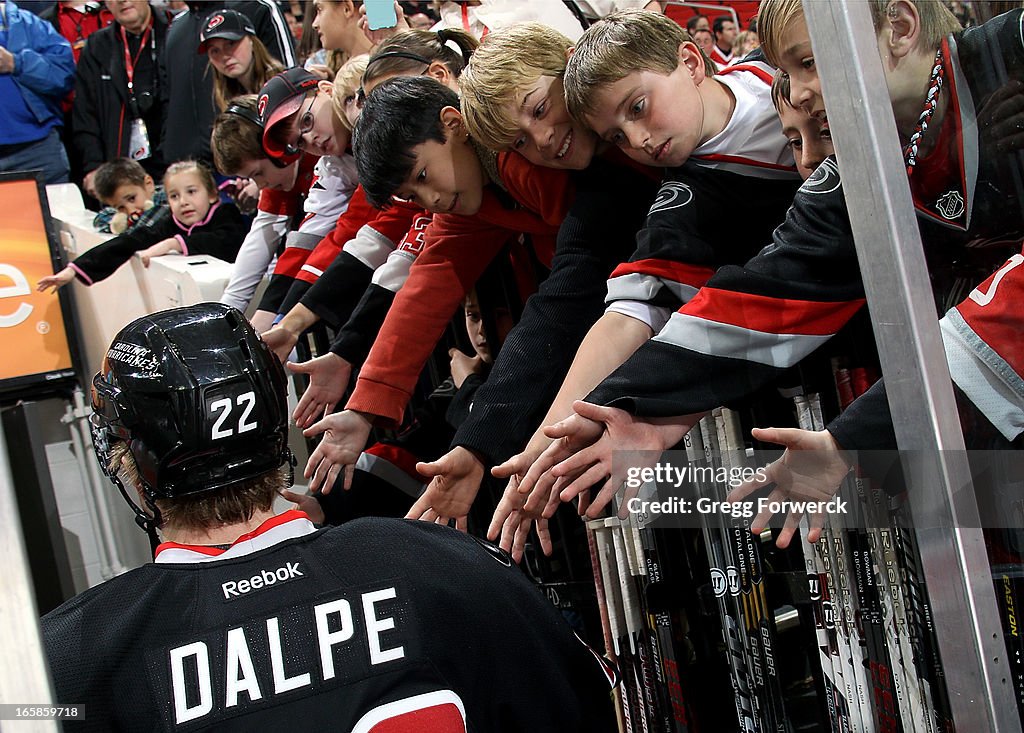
x=809 y=138
x=120 y=91
x=746 y=41
x=724 y=30
x=37 y=70
x=444 y=52
x=198 y=224
x=696 y=23
x=190 y=87
x=704 y=40
x=76 y=21
x=240 y=62
x=337 y=23
x=129 y=196
x=408 y=125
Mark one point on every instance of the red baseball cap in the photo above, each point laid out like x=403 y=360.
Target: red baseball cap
x=280 y=98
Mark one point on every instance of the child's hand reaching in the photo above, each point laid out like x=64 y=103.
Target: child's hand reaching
x=463 y=365
x=57 y=281
x=163 y=247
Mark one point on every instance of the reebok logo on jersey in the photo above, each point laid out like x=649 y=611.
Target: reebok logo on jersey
x=264 y=579
x=672 y=195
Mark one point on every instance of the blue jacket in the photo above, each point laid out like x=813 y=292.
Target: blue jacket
x=44 y=67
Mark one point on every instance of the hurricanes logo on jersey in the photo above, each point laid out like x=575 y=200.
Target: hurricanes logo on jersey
x=672 y=195
x=825 y=179
x=950 y=205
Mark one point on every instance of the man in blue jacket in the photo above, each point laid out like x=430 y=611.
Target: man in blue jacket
x=37 y=69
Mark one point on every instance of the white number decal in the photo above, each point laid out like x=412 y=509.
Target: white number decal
x=984 y=297
x=250 y=402
x=224 y=407
x=247 y=401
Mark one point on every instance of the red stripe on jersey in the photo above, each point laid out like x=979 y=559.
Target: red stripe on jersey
x=992 y=311
x=772 y=315
x=755 y=70
x=398 y=456
x=670 y=270
x=291 y=261
x=720 y=158
x=275 y=521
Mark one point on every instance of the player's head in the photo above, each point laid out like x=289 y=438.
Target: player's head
x=809 y=138
x=189 y=407
x=634 y=79
x=237 y=146
x=513 y=97
x=124 y=185
x=411 y=142
x=908 y=34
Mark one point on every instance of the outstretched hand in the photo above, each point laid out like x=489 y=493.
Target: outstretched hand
x=454 y=482
x=345 y=435
x=328 y=377
x=512 y=523
x=56 y=281
x=281 y=342
x=811 y=469
x=306 y=503
x=620 y=432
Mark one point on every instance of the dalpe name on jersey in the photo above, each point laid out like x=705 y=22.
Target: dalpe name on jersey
x=232 y=670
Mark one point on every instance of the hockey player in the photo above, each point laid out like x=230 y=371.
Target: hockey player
x=749 y=323
x=250 y=621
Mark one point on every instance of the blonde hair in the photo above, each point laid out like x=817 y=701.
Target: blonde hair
x=264 y=66
x=346 y=83
x=775 y=16
x=201 y=170
x=623 y=43
x=773 y=19
x=233 y=504
x=507 y=61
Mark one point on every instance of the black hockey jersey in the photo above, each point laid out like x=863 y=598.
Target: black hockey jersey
x=381 y=625
x=749 y=323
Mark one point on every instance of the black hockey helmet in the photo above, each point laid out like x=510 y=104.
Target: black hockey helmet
x=198 y=396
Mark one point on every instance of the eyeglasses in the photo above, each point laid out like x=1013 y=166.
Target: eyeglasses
x=306 y=120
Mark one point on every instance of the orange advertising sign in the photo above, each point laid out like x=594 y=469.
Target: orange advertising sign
x=33 y=337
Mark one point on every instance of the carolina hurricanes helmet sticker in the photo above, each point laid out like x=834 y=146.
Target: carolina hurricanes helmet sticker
x=133 y=355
